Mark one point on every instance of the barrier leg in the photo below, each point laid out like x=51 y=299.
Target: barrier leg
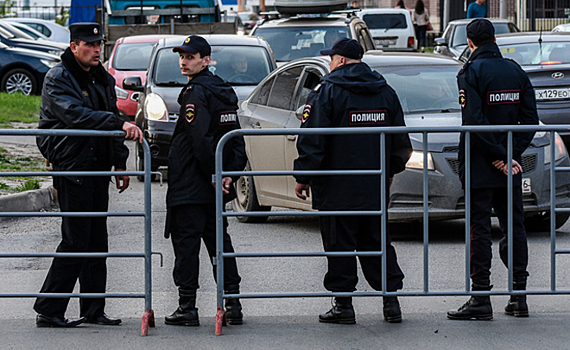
x=220 y=320
x=147 y=321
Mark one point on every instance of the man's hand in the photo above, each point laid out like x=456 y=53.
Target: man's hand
x=133 y=132
x=226 y=183
x=501 y=166
x=122 y=181
x=299 y=188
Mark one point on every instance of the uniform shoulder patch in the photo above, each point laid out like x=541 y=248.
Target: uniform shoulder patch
x=190 y=112
x=306 y=113
x=85 y=93
x=462 y=98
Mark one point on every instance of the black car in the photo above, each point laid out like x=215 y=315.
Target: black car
x=8 y=38
x=545 y=57
x=23 y=70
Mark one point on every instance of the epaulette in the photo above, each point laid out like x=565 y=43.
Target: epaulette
x=515 y=62
x=464 y=67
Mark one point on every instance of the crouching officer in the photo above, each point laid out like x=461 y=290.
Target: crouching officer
x=352 y=95
x=207 y=111
x=494 y=91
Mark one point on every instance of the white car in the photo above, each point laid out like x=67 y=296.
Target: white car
x=391 y=29
x=562 y=28
x=52 y=30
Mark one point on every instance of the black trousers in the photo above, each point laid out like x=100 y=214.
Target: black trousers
x=79 y=234
x=482 y=202
x=357 y=233
x=187 y=224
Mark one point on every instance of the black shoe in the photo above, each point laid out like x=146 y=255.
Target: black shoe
x=342 y=312
x=477 y=308
x=183 y=317
x=56 y=321
x=392 y=311
x=517 y=303
x=104 y=320
x=233 y=312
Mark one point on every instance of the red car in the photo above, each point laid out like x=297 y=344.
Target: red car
x=130 y=57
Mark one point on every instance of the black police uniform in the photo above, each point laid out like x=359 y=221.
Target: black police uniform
x=73 y=98
x=494 y=91
x=352 y=95
x=207 y=111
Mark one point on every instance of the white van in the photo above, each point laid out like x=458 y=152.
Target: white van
x=391 y=29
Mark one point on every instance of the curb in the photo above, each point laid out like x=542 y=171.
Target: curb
x=29 y=201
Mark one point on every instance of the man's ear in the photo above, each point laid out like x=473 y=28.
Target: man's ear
x=207 y=60
x=471 y=45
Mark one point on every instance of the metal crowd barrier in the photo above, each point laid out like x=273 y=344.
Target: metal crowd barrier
x=148 y=315
x=220 y=173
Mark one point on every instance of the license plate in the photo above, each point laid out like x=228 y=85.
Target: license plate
x=385 y=42
x=552 y=94
x=526 y=185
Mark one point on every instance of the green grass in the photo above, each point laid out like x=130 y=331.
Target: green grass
x=28 y=185
x=21 y=183
x=18 y=108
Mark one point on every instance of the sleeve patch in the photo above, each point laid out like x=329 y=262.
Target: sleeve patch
x=190 y=112
x=227 y=118
x=306 y=113
x=462 y=98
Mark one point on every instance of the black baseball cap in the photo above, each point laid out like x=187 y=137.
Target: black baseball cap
x=480 y=30
x=346 y=47
x=194 y=44
x=86 y=31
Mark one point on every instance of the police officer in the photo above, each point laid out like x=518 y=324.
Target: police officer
x=207 y=111
x=78 y=93
x=352 y=95
x=494 y=91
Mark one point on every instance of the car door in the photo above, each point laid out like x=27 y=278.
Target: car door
x=270 y=108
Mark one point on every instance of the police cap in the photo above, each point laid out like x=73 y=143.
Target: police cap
x=194 y=44
x=480 y=31
x=85 y=31
x=345 y=47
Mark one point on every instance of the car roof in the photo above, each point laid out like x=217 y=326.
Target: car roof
x=333 y=20
x=527 y=37
x=151 y=38
x=376 y=57
x=217 y=39
x=467 y=20
x=381 y=11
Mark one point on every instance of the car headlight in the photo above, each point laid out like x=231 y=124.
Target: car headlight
x=559 y=150
x=56 y=52
x=416 y=161
x=50 y=63
x=240 y=32
x=121 y=93
x=155 y=108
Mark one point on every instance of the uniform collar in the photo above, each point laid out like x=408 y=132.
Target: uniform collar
x=490 y=50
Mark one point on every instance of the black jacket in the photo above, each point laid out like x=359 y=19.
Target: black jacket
x=73 y=98
x=494 y=91
x=350 y=96
x=208 y=108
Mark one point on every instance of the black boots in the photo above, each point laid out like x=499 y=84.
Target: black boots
x=478 y=307
x=233 y=306
x=517 y=303
x=392 y=312
x=187 y=313
x=342 y=312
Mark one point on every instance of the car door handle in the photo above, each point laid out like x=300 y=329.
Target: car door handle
x=256 y=125
x=291 y=137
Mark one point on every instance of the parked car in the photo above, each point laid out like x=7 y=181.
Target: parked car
x=23 y=70
x=30 y=31
x=562 y=28
x=158 y=107
x=9 y=39
x=308 y=6
x=130 y=57
x=545 y=57
x=454 y=38
x=233 y=17
x=249 y=20
x=427 y=88
x=391 y=29
x=303 y=36
x=52 y=30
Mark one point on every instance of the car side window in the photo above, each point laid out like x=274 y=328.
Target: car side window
x=262 y=94
x=284 y=88
x=312 y=78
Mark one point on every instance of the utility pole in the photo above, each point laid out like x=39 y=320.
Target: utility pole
x=446 y=10
x=241 y=5
x=503 y=9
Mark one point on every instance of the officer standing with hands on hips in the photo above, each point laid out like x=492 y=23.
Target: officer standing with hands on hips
x=494 y=91
x=78 y=93
x=208 y=108
x=352 y=95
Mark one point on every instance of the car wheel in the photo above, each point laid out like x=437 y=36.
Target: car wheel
x=19 y=80
x=246 y=200
x=541 y=222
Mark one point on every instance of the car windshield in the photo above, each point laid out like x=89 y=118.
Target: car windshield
x=424 y=89
x=460 y=36
x=295 y=42
x=133 y=56
x=385 y=21
x=238 y=65
x=534 y=54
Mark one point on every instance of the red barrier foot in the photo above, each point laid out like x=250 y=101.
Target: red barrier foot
x=147 y=320
x=220 y=321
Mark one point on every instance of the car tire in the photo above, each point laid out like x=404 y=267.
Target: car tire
x=246 y=200
x=541 y=222
x=19 y=80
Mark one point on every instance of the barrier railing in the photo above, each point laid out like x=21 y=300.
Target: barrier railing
x=382 y=131
x=148 y=315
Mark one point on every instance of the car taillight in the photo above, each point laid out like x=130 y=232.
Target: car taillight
x=411 y=41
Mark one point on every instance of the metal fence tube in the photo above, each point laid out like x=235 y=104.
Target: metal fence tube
x=302 y=254
x=467 y=211
x=309 y=213
x=72 y=255
x=425 y=214
x=219 y=260
x=510 y=209
x=72 y=295
x=384 y=208
x=553 y=212
x=67 y=214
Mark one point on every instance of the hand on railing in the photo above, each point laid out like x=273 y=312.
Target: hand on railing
x=133 y=132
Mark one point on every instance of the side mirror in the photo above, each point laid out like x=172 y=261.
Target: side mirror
x=299 y=112
x=440 y=42
x=133 y=83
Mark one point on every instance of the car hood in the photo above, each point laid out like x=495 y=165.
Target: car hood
x=436 y=141
x=33 y=53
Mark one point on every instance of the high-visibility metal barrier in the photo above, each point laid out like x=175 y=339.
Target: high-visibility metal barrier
x=148 y=315
x=382 y=131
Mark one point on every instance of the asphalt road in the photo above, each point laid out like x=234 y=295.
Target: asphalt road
x=287 y=323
